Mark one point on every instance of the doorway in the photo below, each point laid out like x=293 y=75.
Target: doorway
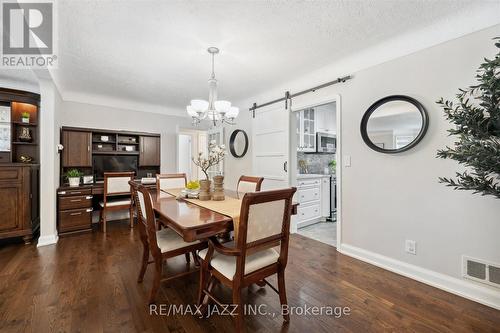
x=189 y=144
x=315 y=153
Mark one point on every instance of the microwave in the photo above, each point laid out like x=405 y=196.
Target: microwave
x=326 y=142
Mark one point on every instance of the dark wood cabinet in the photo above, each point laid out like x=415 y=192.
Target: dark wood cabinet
x=77 y=148
x=149 y=153
x=19 y=168
x=74 y=209
x=18 y=203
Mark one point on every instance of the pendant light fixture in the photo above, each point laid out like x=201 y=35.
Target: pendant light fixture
x=219 y=112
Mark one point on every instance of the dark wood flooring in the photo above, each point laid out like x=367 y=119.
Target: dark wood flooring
x=87 y=283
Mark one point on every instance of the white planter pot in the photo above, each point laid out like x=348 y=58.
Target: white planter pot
x=74 y=181
x=25 y=120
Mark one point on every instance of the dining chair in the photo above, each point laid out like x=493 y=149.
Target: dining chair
x=116 y=186
x=248 y=184
x=161 y=244
x=171 y=180
x=264 y=224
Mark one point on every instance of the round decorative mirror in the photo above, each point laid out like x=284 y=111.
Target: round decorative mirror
x=394 y=124
x=238 y=143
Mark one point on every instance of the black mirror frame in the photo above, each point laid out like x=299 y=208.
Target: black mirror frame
x=374 y=106
x=231 y=143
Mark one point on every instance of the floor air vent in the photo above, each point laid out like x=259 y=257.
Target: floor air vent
x=481 y=271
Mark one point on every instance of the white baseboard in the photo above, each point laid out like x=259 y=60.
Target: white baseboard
x=463 y=288
x=47 y=240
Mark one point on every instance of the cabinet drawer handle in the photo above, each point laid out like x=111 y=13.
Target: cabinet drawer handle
x=88 y=197
x=62 y=192
x=76 y=214
x=89 y=210
x=76 y=200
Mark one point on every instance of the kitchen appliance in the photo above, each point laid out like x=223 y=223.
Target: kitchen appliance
x=333 y=199
x=326 y=143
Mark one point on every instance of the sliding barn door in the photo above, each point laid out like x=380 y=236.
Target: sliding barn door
x=270 y=145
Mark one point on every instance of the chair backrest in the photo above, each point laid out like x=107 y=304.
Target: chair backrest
x=141 y=219
x=117 y=183
x=248 y=184
x=265 y=222
x=146 y=216
x=169 y=181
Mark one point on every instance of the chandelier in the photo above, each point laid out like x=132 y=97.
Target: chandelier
x=216 y=111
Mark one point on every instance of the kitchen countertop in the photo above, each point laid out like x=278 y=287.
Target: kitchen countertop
x=312 y=175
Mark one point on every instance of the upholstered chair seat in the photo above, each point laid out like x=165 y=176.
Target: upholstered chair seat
x=226 y=265
x=169 y=240
x=119 y=202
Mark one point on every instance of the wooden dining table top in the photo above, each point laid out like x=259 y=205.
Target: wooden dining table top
x=190 y=221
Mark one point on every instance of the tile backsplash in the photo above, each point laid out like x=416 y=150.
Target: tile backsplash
x=315 y=163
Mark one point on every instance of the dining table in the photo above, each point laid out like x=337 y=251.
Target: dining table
x=192 y=221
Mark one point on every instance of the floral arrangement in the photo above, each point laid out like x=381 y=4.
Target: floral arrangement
x=216 y=154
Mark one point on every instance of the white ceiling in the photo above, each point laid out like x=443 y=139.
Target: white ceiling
x=151 y=55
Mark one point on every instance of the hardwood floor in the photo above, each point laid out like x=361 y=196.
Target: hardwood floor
x=87 y=283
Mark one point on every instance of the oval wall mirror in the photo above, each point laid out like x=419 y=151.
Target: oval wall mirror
x=394 y=124
x=238 y=143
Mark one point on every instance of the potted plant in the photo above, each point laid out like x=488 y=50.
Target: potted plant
x=333 y=166
x=73 y=176
x=25 y=117
x=216 y=154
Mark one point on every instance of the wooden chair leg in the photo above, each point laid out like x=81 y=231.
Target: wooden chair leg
x=156 y=281
x=104 y=222
x=196 y=260
x=188 y=257
x=202 y=284
x=145 y=259
x=100 y=217
x=282 y=292
x=131 y=210
x=239 y=320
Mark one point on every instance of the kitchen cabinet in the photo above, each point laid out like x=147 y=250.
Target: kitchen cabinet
x=76 y=152
x=313 y=195
x=149 y=153
x=306 y=130
x=326 y=121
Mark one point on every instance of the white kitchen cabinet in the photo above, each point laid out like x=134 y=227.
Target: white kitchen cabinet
x=306 y=130
x=325 y=121
x=313 y=195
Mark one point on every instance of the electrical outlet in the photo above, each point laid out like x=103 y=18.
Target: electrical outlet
x=411 y=246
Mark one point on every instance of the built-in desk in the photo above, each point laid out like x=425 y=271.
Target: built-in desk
x=76 y=204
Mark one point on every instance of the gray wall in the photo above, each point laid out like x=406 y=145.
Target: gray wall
x=390 y=198
x=95 y=116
